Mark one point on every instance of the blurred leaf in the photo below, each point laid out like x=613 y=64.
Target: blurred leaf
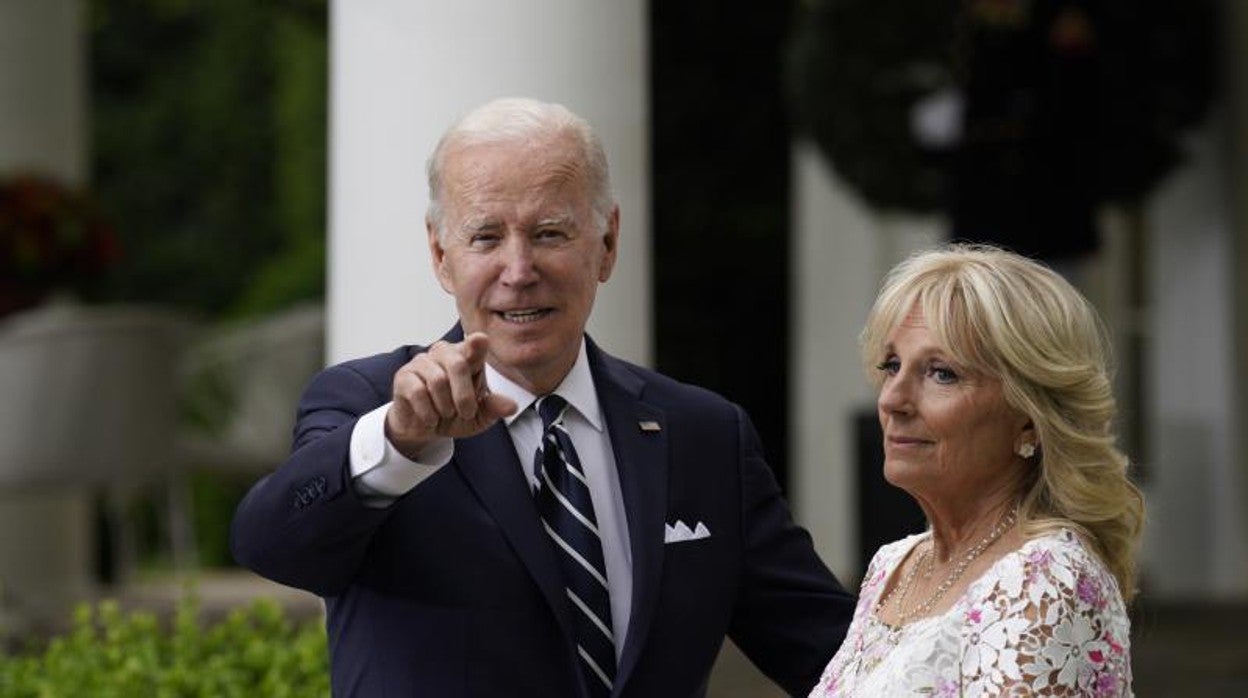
x=209 y=144
x=255 y=651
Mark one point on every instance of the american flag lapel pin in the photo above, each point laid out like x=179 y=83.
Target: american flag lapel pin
x=649 y=426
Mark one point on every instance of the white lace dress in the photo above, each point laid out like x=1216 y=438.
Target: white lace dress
x=1045 y=620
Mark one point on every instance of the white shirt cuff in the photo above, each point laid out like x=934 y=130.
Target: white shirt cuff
x=377 y=467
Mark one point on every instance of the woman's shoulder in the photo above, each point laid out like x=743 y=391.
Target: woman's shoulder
x=1053 y=601
x=1064 y=552
x=1057 y=566
x=886 y=559
x=890 y=553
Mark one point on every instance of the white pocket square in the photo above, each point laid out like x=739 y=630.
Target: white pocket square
x=680 y=532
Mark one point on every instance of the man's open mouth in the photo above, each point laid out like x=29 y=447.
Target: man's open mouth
x=523 y=316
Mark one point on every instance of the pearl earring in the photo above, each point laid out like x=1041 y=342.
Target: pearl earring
x=1026 y=450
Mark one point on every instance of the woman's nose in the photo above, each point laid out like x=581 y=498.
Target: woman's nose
x=895 y=394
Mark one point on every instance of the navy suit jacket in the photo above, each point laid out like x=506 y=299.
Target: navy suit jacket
x=454 y=590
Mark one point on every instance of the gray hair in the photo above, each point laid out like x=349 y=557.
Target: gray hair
x=520 y=119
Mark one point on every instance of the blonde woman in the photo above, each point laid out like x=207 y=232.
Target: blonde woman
x=996 y=409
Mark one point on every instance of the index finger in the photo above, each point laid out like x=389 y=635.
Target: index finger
x=474 y=349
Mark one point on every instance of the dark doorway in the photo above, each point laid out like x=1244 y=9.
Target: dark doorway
x=720 y=193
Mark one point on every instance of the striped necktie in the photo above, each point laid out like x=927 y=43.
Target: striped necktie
x=567 y=512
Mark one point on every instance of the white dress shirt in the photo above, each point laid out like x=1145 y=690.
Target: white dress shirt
x=381 y=474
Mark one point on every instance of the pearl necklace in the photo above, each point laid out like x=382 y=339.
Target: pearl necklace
x=926 y=560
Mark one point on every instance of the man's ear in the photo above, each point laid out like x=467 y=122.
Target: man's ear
x=437 y=256
x=610 y=242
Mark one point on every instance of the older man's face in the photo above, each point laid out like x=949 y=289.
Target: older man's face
x=522 y=254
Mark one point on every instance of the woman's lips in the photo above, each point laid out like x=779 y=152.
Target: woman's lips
x=904 y=441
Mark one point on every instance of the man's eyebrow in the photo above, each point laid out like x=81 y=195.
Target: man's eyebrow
x=478 y=225
x=563 y=219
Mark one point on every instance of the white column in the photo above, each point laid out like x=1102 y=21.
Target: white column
x=401 y=72
x=46 y=548
x=833 y=262
x=43 y=88
x=841 y=251
x=1194 y=543
x=1237 y=31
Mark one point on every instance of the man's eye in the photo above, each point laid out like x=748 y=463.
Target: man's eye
x=551 y=234
x=483 y=239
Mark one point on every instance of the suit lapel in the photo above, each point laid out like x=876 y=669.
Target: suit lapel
x=641 y=461
x=488 y=462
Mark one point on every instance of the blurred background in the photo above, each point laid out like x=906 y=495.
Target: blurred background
x=201 y=204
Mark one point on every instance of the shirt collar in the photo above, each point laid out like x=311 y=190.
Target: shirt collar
x=577 y=388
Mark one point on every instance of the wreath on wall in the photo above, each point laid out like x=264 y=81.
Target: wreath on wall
x=856 y=71
x=1019 y=105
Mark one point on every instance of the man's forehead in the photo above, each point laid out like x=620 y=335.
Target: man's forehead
x=552 y=147
x=477 y=220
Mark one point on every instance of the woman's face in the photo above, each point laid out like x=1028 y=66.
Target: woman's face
x=949 y=435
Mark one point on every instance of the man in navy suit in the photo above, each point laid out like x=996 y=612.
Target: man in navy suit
x=418 y=498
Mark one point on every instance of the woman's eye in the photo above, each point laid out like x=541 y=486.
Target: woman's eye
x=942 y=374
x=890 y=366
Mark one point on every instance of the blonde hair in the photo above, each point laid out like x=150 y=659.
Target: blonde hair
x=1015 y=319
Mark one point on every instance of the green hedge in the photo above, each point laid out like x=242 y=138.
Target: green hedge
x=208 y=150
x=108 y=653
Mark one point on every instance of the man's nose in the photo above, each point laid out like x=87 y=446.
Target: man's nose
x=519 y=263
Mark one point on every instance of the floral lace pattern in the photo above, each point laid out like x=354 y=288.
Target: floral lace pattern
x=1046 y=620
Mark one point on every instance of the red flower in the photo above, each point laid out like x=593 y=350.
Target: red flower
x=51 y=237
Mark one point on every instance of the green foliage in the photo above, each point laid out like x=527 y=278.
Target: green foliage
x=300 y=104
x=214 y=496
x=208 y=140
x=253 y=651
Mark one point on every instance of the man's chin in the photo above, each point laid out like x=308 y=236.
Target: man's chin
x=532 y=359
x=520 y=355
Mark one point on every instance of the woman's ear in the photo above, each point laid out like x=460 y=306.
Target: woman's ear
x=1027 y=442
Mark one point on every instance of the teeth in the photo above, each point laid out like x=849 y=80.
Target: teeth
x=522 y=315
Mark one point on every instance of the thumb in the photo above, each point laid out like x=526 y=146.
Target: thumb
x=498 y=406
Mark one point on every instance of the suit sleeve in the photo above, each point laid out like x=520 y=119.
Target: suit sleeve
x=304 y=525
x=791 y=613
